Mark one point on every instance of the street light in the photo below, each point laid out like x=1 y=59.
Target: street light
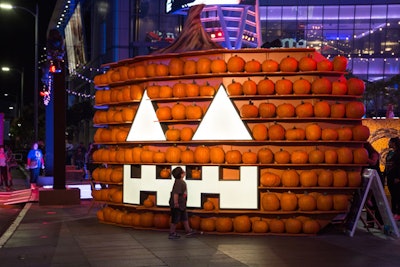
x=35 y=14
x=21 y=73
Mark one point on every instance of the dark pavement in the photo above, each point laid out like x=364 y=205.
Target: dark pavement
x=35 y=235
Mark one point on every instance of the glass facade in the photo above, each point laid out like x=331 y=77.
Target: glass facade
x=369 y=35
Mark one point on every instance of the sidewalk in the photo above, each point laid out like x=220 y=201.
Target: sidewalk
x=72 y=236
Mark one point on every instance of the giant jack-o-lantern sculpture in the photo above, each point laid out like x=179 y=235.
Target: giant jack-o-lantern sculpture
x=271 y=139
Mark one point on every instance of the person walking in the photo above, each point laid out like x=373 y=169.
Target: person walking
x=392 y=174
x=35 y=162
x=177 y=203
x=3 y=169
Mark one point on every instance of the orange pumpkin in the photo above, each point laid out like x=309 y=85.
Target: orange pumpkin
x=187 y=156
x=260 y=132
x=249 y=110
x=172 y=134
x=218 y=66
x=173 y=154
x=178 y=111
x=307 y=202
x=249 y=87
x=311 y=226
x=324 y=202
x=355 y=109
x=165 y=173
x=194 y=112
x=270 y=179
x=304 y=110
x=338 y=110
x=233 y=157
x=290 y=178
x=259 y=226
x=289 y=64
x=355 y=86
x=234 y=88
x=325 y=65
x=277 y=226
x=252 y=66
x=207 y=224
x=223 y=225
x=313 y=132
x=329 y=134
x=186 y=133
x=189 y=67
x=293 y=226
x=270 y=202
x=339 y=63
x=345 y=155
x=162 y=70
x=316 y=156
x=307 y=64
x=360 y=155
x=265 y=156
x=321 y=85
x=265 y=87
x=208 y=205
x=217 y=155
x=340 y=178
x=344 y=133
x=354 y=178
x=269 y=65
x=249 y=157
x=179 y=89
x=175 y=66
x=284 y=87
x=203 y=65
x=339 y=88
x=192 y=89
x=295 y=134
x=202 y=154
x=242 y=224
x=161 y=221
x=301 y=86
x=299 y=157
x=289 y=201
x=267 y=110
x=308 y=178
x=276 y=132
x=331 y=156
x=196 y=173
x=236 y=64
x=322 y=109
x=360 y=132
x=282 y=157
x=285 y=110
x=325 y=178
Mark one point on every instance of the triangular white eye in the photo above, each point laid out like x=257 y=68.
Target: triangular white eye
x=222 y=121
x=145 y=126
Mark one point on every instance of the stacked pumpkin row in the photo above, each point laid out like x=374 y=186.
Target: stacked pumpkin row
x=238 y=224
x=119 y=94
x=204 y=65
x=115 y=134
x=312 y=132
x=301 y=86
x=320 y=109
x=311 y=178
x=217 y=155
x=313 y=201
x=111 y=174
x=115 y=115
x=108 y=194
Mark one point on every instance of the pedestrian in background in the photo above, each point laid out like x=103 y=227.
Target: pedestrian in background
x=392 y=174
x=3 y=168
x=35 y=162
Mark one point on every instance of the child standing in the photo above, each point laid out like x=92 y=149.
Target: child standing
x=177 y=203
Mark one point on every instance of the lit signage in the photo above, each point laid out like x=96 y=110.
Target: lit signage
x=174 y=5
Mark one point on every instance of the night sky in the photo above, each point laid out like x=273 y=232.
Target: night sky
x=17 y=28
